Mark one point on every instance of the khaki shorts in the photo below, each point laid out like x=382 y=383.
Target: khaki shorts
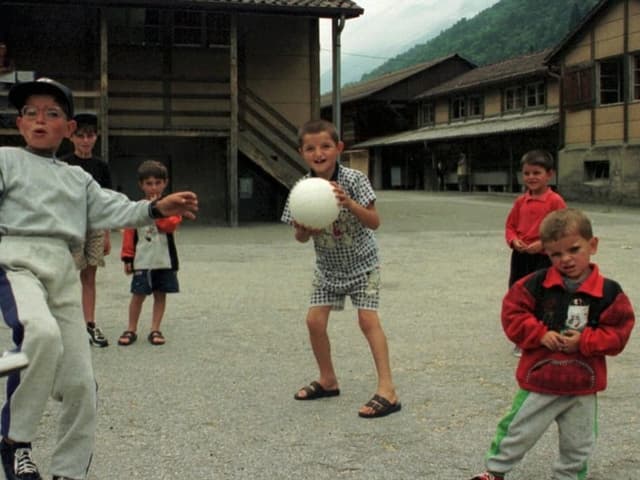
x=91 y=252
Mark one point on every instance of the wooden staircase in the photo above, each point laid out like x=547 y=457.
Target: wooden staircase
x=269 y=139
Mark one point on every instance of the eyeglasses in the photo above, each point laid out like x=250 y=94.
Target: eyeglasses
x=50 y=113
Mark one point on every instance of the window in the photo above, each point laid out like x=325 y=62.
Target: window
x=513 y=99
x=535 y=95
x=596 y=170
x=475 y=105
x=427 y=114
x=188 y=28
x=636 y=76
x=144 y=26
x=135 y=26
x=611 y=81
x=577 y=88
x=196 y=29
x=458 y=108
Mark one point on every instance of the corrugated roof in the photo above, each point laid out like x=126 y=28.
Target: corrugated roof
x=364 y=89
x=471 y=128
x=318 y=8
x=510 y=69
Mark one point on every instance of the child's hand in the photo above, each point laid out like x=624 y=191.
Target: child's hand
x=128 y=269
x=344 y=200
x=534 y=247
x=107 y=244
x=304 y=233
x=554 y=341
x=518 y=245
x=179 y=203
x=571 y=341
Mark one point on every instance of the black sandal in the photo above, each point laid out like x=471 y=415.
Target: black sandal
x=156 y=338
x=127 y=338
x=314 y=391
x=381 y=407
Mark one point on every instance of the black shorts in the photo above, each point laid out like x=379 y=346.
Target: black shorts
x=145 y=282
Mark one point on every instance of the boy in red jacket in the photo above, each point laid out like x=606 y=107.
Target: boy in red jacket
x=149 y=253
x=566 y=319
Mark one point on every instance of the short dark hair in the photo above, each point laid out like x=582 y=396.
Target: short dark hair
x=561 y=223
x=152 y=168
x=318 y=126
x=86 y=122
x=540 y=158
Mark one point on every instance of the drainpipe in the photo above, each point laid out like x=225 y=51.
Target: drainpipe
x=337 y=25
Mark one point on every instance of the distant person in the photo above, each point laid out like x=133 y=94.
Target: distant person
x=522 y=226
x=441 y=171
x=149 y=254
x=462 y=172
x=46 y=207
x=6 y=62
x=97 y=243
x=347 y=264
x=567 y=319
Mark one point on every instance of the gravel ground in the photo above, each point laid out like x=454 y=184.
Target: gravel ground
x=216 y=402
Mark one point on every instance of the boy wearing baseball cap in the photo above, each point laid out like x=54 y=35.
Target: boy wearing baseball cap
x=46 y=207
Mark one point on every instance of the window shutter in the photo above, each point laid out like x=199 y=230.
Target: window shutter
x=578 y=89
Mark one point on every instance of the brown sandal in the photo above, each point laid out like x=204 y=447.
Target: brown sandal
x=127 y=338
x=156 y=338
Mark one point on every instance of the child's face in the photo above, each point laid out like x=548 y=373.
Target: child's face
x=44 y=131
x=536 y=178
x=321 y=153
x=152 y=187
x=571 y=254
x=83 y=141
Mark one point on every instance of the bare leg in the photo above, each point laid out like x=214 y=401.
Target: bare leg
x=317 y=321
x=88 y=280
x=372 y=329
x=135 y=307
x=159 y=305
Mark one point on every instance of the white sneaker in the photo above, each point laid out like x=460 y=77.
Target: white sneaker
x=11 y=362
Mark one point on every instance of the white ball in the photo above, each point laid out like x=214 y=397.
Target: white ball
x=313 y=203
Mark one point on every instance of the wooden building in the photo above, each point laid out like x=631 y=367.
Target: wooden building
x=213 y=88
x=492 y=114
x=383 y=106
x=599 y=156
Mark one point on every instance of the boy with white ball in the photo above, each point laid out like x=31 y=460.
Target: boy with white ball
x=346 y=264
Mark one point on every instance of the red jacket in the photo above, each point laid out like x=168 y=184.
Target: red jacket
x=533 y=305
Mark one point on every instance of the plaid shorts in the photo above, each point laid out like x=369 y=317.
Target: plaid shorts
x=364 y=291
x=91 y=252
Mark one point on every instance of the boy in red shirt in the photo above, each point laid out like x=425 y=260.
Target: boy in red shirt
x=523 y=222
x=566 y=319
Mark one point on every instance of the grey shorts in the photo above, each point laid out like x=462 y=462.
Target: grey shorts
x=91 y=252
x=364 y=291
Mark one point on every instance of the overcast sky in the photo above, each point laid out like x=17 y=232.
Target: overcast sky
x=389 y=27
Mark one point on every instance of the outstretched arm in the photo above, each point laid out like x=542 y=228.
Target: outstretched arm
x=179 y=203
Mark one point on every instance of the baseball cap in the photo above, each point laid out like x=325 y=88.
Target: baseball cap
x=42 y=86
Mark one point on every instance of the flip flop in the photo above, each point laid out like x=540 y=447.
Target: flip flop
x=381 y=407
x=314 y=391
x=127 y=338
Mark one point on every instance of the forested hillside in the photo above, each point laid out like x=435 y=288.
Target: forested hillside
x=507 y=29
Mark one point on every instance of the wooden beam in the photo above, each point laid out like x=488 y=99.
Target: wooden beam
x=104 y=86
x=232 y=156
